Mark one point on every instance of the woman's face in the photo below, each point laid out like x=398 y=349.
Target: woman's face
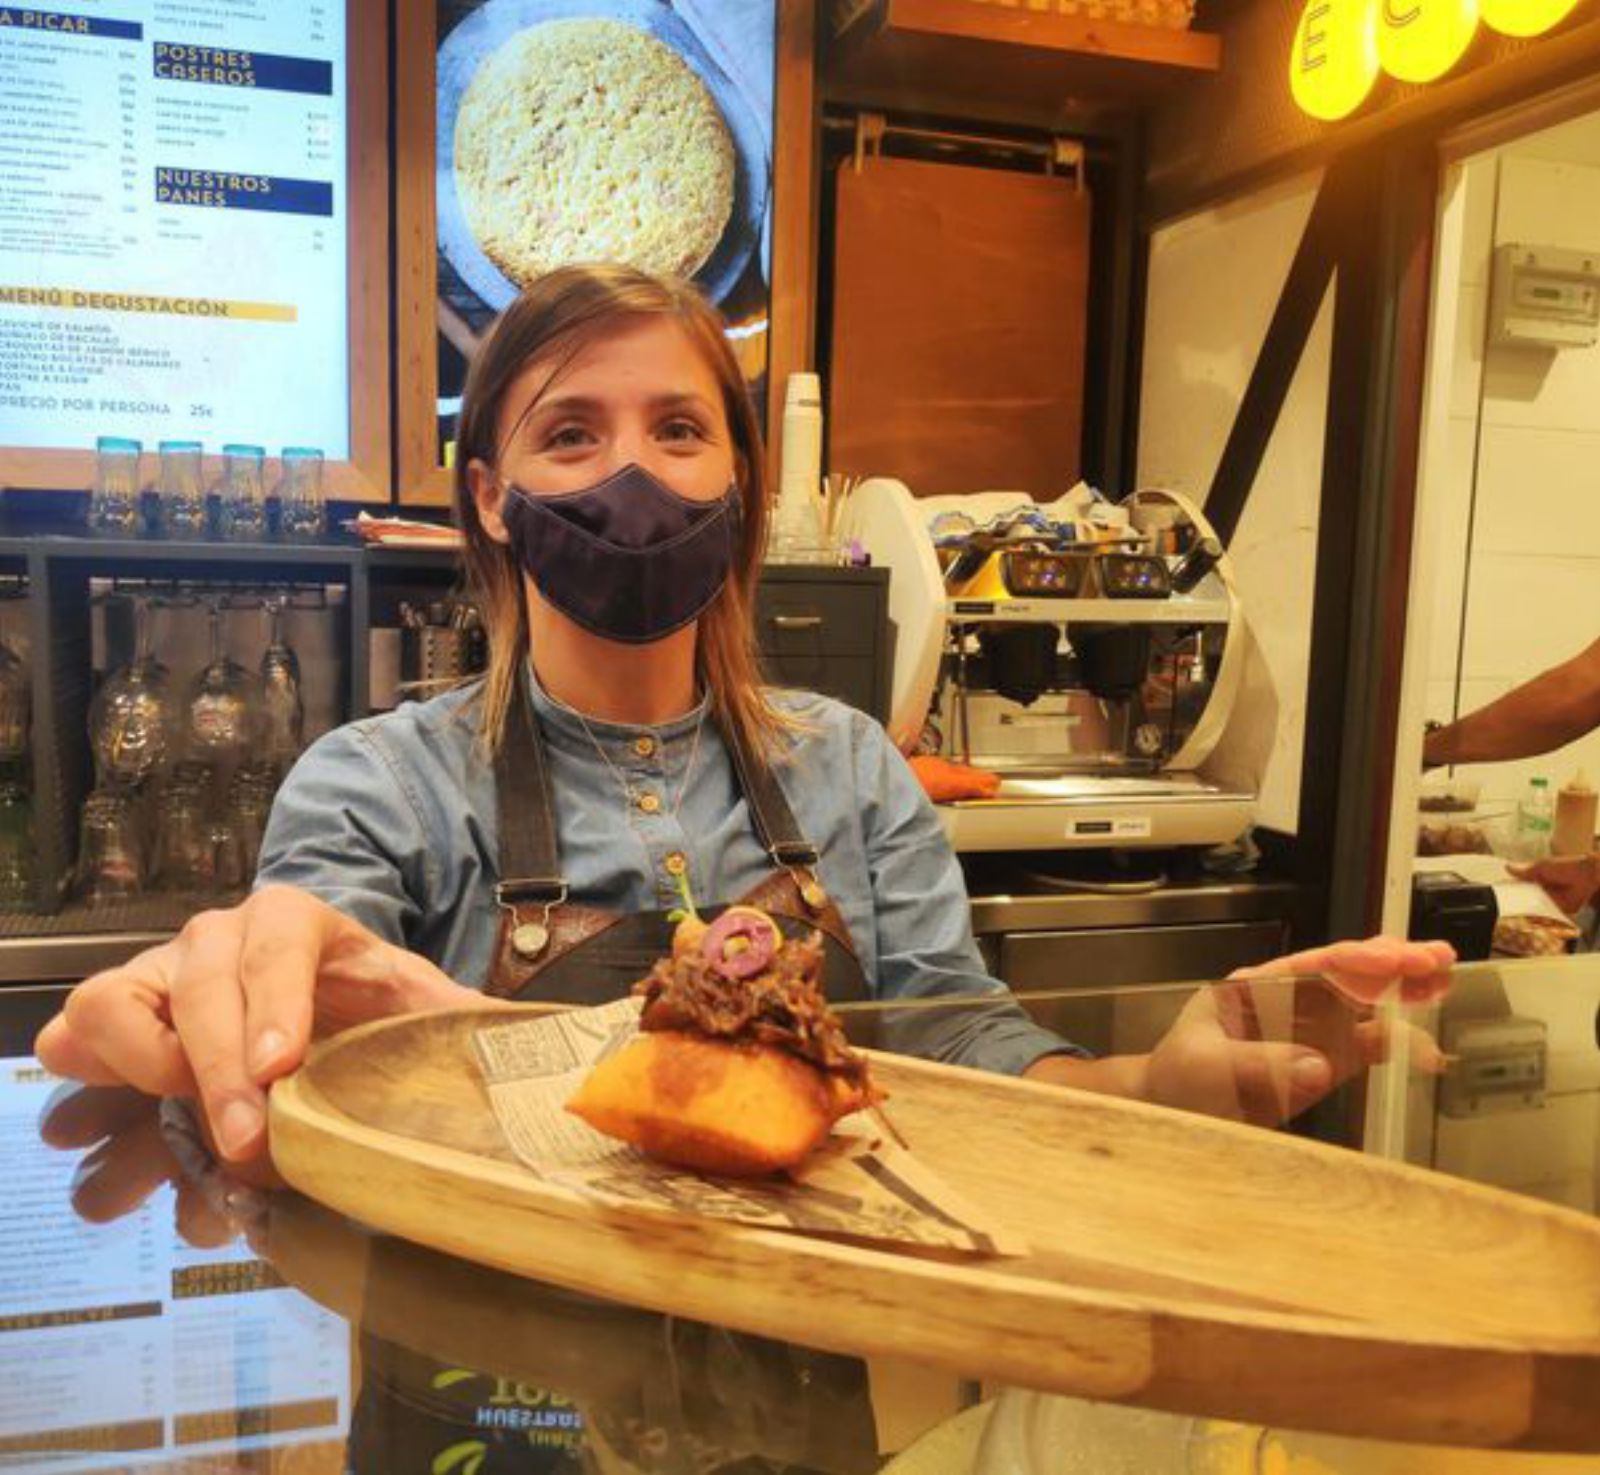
x=641 y=394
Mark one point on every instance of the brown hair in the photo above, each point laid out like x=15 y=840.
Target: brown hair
x=561 y=313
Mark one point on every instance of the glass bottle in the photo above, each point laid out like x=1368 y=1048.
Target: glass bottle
x=243 y=511
x=114 y=502
x=303 y=514
x=181 y=490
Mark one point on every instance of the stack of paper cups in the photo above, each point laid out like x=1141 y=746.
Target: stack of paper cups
x=797 y=523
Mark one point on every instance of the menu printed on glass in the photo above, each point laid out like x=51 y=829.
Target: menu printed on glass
x=173 y=222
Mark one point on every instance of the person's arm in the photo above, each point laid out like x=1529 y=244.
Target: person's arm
x=1539 y=716
x=923 y=920
x=230 y=1004
x=344 y=829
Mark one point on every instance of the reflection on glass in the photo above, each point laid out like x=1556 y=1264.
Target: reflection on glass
x=223 y=711
x=181 y=490
x=114 y=501
x=458 y=1359
x=130 y=721
x=142 y=1333
x=1257 y=1050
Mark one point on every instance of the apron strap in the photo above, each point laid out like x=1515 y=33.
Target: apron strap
x=530 y=868
x=776 y=829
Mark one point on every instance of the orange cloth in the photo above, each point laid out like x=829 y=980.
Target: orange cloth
x=943 y=780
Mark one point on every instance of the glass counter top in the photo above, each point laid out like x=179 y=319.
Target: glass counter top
x=156 y=1317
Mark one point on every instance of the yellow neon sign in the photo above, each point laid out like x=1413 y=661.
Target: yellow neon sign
x=1335 y=60
x=1526 y=17
x=1421 y=40
x=1340 y=46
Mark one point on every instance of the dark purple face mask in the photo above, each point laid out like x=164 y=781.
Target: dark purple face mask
x=627 y=559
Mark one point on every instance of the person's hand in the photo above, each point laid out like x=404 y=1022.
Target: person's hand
x=1570 y=881
x=1434 y=746
x=231 y=1003
x=1272 y=1040
x=128 y=1156
x=1367 y=971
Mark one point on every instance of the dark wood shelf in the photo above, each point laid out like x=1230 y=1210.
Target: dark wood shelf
x=1027 y=67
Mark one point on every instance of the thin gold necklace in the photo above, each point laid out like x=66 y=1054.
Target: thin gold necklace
x=622 y=778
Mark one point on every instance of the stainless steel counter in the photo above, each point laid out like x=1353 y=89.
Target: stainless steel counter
x=1170 y=906
x=68 y=958
x=1103 y=939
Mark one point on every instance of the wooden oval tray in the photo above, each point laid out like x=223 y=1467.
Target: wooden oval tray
x=1176 y=1261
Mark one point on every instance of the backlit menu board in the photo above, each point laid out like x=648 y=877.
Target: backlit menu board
x=124 y=1347
x=173 y=223
x=600 y=130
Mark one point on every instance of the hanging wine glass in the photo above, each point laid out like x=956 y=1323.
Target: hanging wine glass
x=130 y=720
x=283 y=708
x=223 y=712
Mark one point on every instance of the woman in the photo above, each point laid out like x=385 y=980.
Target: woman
x=528 y=834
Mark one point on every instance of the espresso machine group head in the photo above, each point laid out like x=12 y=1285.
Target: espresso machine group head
x=1093 y=664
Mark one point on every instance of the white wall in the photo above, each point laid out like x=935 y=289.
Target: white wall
x=1214 y=281
x=1522 y=465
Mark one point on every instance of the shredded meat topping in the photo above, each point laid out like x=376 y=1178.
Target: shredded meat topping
x=782 y=1006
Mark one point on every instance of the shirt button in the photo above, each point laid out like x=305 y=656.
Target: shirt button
x=676 y=863
x=649 y=803
x=645 y=747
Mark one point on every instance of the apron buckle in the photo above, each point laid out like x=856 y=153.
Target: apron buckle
x=529 y=939
x=812 y=891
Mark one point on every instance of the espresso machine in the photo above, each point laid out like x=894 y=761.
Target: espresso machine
x=1089 y=655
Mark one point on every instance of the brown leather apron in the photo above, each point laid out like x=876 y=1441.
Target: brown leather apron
x=552 y=948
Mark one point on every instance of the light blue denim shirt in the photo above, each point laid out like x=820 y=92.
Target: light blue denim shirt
x=392 y=820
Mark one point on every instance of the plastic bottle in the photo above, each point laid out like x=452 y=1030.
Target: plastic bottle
x=796 y=527
x=1535 y=820
x=1577 y=812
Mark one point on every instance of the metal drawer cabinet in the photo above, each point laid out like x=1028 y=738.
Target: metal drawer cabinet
x=1117 y=957
x=827 y=630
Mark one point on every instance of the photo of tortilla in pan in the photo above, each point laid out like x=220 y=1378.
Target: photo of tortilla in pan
x=589 y=140
x=605 y=130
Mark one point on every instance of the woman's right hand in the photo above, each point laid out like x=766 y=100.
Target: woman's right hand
x=231 y=1003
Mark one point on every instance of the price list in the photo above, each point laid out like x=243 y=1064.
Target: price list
x=173 y=223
